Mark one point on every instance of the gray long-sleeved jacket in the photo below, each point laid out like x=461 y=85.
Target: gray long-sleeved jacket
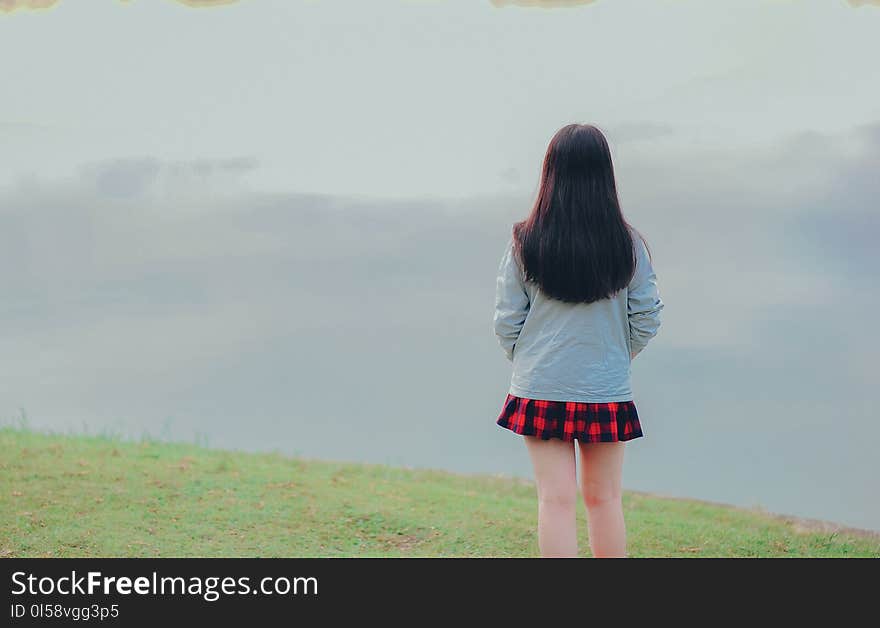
x=574 y=352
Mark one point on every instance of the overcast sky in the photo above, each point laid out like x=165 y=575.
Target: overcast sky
x=401 y=98
x=276 y=224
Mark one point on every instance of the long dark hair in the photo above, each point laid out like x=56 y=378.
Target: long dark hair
x=576 y=244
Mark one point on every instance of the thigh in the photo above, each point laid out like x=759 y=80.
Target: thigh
x=554 y=463
x=602 y=468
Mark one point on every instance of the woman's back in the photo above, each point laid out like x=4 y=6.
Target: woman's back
x=574 y=351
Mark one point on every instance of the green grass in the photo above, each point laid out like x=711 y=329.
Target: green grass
x=63 y=495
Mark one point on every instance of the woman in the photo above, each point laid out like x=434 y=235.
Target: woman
x=576 y=301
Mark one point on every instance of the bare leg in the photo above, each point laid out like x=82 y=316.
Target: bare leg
x=556 y=478
x=601 y=472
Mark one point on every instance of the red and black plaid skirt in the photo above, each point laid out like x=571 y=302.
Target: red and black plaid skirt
x=570 y=420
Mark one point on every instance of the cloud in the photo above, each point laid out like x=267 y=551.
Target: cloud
x=839 y=223
x=541 y=4
x=131 y=177
x=862 y=3
x=123 y=177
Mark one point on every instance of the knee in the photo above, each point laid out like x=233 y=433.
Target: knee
x=599 y=496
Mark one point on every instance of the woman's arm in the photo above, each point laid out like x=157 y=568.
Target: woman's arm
x=511 y=302
x=643 y=302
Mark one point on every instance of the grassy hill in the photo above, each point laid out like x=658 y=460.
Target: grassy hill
x=93 y=496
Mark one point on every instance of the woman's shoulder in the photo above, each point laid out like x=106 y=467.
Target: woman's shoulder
x=640 y=246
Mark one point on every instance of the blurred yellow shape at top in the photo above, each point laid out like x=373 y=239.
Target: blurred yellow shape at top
x=12 y=5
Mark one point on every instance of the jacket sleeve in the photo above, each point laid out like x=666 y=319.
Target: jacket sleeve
x=511 y=302
x=643 y=303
